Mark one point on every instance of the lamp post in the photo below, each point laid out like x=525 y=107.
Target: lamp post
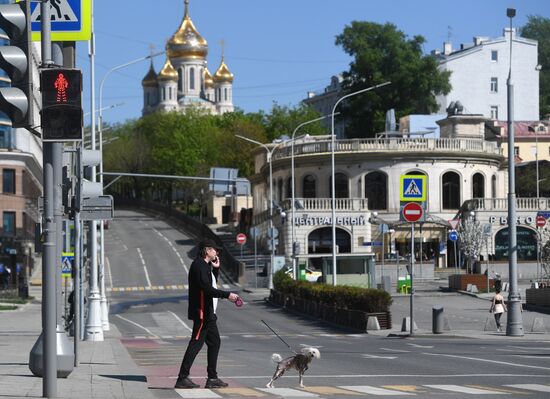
x=293 y=205
x=333 y=203
x=514 y=325
x=271 y=232
x=103 y=300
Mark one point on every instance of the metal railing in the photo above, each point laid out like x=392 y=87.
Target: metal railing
x=501 y=204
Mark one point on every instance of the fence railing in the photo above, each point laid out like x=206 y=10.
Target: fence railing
x=501 y=204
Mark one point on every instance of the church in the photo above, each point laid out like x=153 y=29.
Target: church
x=184 y=81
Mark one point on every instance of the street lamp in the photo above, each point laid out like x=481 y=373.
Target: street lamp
x=103 y=300
x=293 y=188
x=514 y=325
x=333 y=173
x=271 y=232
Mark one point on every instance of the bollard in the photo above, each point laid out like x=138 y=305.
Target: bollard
x=437 y=319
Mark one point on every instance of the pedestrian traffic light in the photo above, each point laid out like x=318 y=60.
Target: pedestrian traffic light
x=61 y=112
x=16 y=60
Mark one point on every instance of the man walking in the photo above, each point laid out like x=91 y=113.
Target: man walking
x=203 y=300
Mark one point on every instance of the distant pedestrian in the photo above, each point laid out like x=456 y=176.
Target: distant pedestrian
x=203 y=300
x=498 y=307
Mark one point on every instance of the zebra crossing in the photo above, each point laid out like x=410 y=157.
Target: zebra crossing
x=366 y=390
x=184 y=287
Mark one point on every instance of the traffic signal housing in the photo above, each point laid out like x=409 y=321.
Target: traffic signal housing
x=61 y=112
x=16 y=60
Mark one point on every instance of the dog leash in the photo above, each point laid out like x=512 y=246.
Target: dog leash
x=289 y=347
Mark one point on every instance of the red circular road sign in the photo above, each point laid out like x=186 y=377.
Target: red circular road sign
x=541 y=221
x=241 y=238
x=412 y=212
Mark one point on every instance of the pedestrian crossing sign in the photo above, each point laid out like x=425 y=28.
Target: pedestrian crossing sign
x=413 y=188
x=67 y=259
x=70 y=20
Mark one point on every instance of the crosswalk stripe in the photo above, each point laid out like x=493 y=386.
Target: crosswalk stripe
x=463 y=389
x=242 y=391
x=288 y=392
x=374 y=390
x=531 y=387
x=152 y=288
x=197 y=393
x=330 y=391
x=405 y=388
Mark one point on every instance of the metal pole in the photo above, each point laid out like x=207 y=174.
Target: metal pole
x=537 y=161
x=94 y=330
x=383 y=254
x=49 y=380
x=256 y=257
x=412 y=279
x=332 y=145
x=269 y=159
x=456 y=258
x=514 y=325
x=77 y=258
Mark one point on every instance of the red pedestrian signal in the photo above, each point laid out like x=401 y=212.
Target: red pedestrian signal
x=61 y=113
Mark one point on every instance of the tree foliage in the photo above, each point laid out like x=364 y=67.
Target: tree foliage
x=383 y=53
x=538 y=28
x=471 y=240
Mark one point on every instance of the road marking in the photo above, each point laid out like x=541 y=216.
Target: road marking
x=462 y=389
x=374 y=390
x=197 y=393
x=180 y=320
x=529 y=348
x=421 y=346
x=531 y=387
x=288 y=392
x=136 y=324
x=395 y=350
x=108 y=264
x=378 y=357
x=144 y=268
x=488 y=361
x=325 y=390
x=174 y=249
x=405 y=388
x=152 y=288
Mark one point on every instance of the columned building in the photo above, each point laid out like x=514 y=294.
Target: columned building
x=467 y=178
x=184 y=81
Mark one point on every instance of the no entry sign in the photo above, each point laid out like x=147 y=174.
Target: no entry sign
x=241 y=238
x=412 y=212
x=541 y=221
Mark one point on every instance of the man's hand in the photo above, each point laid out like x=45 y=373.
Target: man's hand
x=216 y=262
x=233 y=297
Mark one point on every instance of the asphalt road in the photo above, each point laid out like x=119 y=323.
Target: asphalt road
x=149 y=259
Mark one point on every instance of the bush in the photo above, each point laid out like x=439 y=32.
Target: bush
x=344 y=297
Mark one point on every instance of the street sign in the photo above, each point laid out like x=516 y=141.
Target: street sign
x=453 y=235
x=272 y=232
x=412 y=212
x=97 y=208
x=454 y=223
x=67 y=259
x=541 y=221
x=254 y=232
x=71 y=20
x=413 y=188
x=241 y=238
x=545 y=214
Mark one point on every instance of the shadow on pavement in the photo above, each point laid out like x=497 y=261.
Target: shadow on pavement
x=138 y=378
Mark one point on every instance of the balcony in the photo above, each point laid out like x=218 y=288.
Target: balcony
x=416 y=145
x=325 y=204
x=501 y=204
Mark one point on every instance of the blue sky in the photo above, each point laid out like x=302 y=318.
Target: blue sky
x=277 y=50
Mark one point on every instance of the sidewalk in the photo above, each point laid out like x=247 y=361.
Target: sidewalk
x=106 y=369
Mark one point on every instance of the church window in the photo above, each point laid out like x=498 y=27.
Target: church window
x=225 y=94
x=180 y=80
x=163 y=93
x=191 y=78
x=147 y=99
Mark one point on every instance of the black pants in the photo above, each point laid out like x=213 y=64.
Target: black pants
x=497 y=319
x=203 y=331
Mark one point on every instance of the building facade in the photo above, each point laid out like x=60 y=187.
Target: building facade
x=324 y=103
x=479 y=71
x=466 y=175
x=184 y=81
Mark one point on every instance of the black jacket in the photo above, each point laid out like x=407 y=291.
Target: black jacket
x=201 y=292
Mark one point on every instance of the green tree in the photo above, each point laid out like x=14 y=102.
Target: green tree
x=538 y=28
x=383 y=53
x=282 y=121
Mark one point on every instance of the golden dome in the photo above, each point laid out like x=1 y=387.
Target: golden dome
x=187 y=41
x=150 y=80
x=168 y=72
x=223 y=74
x=208 y=81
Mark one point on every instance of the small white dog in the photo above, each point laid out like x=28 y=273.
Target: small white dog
x=299 y=362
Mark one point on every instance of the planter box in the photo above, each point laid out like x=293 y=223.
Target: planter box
x=460 y=281
x=344 y=317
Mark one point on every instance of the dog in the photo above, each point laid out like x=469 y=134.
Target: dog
x=299 y=362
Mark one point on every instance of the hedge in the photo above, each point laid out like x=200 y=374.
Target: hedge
x=343 y=297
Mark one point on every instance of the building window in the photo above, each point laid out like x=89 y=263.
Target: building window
x=516 y=151
x=494 y=85
x=494 y=186
x=309 y=187
x=341 y=186
x=225 y=94
x=191 y=78
x=451 y=190
x=169 y=93
x=376 y=190
x=478 y=186
x=9 y=223
x=320 y=241
x=280 y=190
x=494 y=111
x=289 y=188
x=494 y=55
x=163 y=93
x=8 y=181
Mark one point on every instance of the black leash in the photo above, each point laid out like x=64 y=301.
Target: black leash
x=289 y=347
